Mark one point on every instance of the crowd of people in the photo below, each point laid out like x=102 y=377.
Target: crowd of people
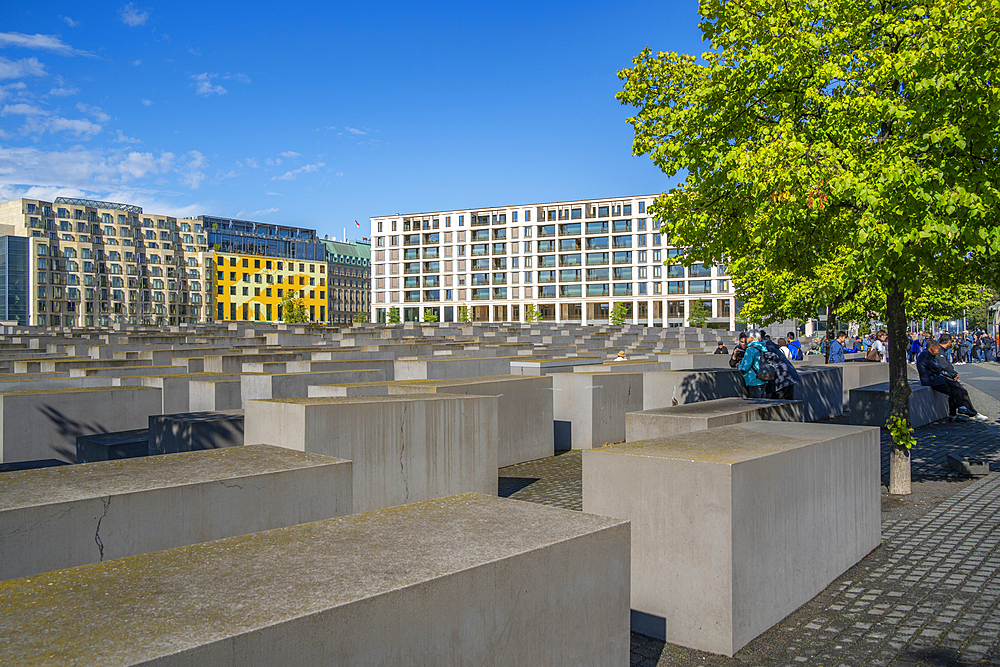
x=768 y=371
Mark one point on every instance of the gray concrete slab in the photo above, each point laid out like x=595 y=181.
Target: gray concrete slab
x=194 y=431
x=44 y=424
x=736 y=527
x=663 y=422
x=62 y=517
x=422 y=584
x=870 y=405
x=589 y=408
x=404 y=449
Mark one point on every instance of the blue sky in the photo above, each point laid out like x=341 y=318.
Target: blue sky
x=317 y=114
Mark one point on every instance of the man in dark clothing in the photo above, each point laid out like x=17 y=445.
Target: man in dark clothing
x=738 y=351
x=936 y=372
x=721 y=349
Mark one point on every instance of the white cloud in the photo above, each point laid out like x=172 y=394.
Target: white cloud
x=192 y=176
x=79 y=167
x=242 y=78
x=70 y=22
x=290 y=154
x=63 y=92
x=131 y=16
x=274 y=194
x=276 y=162
x=147 y=103
x=17 y=69
x=291 y=175
x=252 y=162
x=254 y=214
x=81 y=127
x=354 y=130
x=137 y=62
x=36 y=42
x=205 y=86
x=340 y=173
x=23 y=110
x=122 y=139
x=96 y=112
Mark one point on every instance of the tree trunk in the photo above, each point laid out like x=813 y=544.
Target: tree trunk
x=899 y=389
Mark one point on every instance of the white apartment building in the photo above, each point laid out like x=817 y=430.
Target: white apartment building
x=572 y=260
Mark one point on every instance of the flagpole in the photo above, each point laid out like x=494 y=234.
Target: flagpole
x=345 y=234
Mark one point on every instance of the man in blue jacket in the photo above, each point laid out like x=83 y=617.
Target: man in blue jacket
x=937 y=373
x=837 y=348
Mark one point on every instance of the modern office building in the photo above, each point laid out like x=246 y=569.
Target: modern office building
x=84 y=262
x=259 y=264
x=572 y=260
x=349 y=268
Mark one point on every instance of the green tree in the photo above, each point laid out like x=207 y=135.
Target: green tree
x=532 y=314
x=361 y=317
x=430 y=316
x=619 y=314
x=698 y=314
x=809 y=126
x=393 y=317
x=465 y=314
x=293 y=310
x=977 y=314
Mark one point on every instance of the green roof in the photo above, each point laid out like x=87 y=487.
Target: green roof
x=340 y=252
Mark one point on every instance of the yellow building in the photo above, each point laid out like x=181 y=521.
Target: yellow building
x=251 y=287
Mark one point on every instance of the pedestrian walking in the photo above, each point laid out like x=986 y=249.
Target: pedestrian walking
x=837 y=348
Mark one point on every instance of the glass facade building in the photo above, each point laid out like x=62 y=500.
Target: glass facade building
x=14 y=279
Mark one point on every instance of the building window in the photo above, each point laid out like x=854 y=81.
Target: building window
x=379 y=229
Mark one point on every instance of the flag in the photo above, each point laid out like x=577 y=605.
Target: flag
x=357 y=223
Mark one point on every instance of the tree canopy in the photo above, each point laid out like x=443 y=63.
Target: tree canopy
x=293 y=310
x=857 y=134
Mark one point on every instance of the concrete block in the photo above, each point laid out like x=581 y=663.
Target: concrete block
x=862 y=374
x=664 y=422
x=111 y=446
x=968 y=467
x=662 y=389
x=211 y=395
x=57 y=518
x=589 y=408
x=349 y=389
x=870 y=405
x=545 y=366
x=423 y=584
x=450 y=368
x=296 y=385
x=820 y=388
x=525 y=410
x=45 y=424
x=404 y=449
x=194 y=431
x=736 y=527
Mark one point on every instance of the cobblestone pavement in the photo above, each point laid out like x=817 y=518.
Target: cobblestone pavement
x=929 y=596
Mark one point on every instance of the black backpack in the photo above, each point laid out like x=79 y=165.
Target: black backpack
x=767 y=368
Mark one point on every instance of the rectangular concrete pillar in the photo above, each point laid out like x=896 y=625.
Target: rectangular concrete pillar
x=589 y=408
x=61 y=517
x=734 y=528
x=465 y=580
x=404 y=449
x=45 y=424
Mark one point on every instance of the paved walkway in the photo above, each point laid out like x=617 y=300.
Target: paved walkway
x=930 y=595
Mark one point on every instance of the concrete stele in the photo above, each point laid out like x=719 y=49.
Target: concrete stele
x=61 y=517
x=736 y=527
x=463 y=580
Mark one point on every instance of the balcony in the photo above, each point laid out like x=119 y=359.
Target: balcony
x=546 y=231
x=480 y=250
